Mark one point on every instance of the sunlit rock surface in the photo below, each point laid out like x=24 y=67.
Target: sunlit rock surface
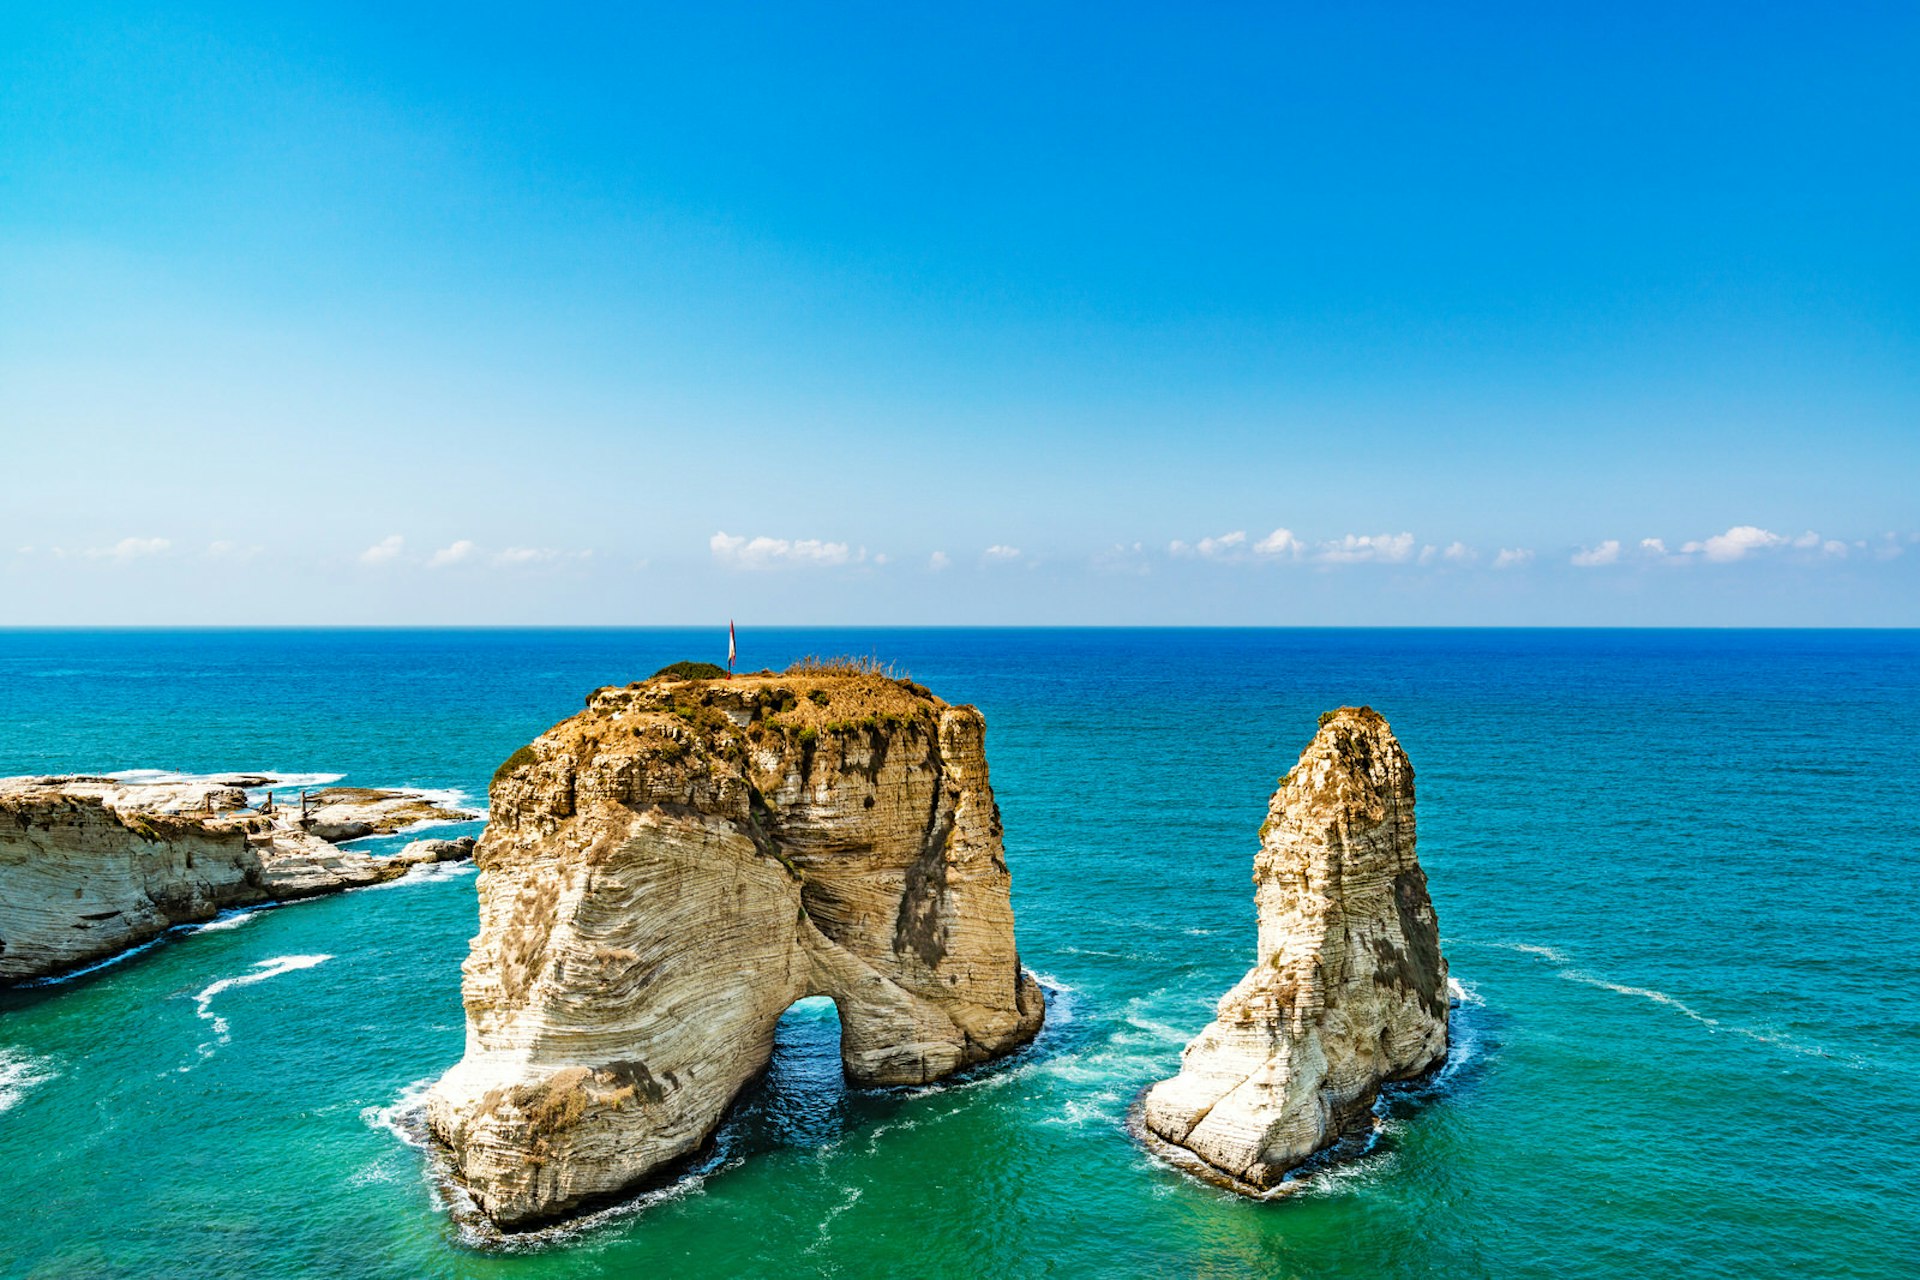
x=1348 y=990
x=665 y=873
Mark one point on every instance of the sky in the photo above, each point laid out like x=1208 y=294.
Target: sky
x=909 y=314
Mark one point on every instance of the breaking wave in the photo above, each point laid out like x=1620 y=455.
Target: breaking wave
x=20 y=1072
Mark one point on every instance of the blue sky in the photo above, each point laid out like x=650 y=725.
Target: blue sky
x=895 y=314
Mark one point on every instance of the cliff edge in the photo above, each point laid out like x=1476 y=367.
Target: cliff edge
x=93 y=866
x=1348 y=990
x=665 y=873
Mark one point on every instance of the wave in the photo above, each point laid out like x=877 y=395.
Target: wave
x=422 y=873
x=405 y=1116
x=1465 y=993
x=19 y=1072
x=232 y=920
x=264 y=969
x=1563 y=968
x=1553 y=954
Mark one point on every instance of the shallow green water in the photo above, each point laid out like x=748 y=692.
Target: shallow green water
x=1676 y=877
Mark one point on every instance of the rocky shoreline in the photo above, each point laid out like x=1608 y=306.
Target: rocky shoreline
x=94 y=866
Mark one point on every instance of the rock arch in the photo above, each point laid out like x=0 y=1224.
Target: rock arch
x=666 y=873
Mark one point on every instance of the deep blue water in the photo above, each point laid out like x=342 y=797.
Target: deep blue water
x=1677 y=874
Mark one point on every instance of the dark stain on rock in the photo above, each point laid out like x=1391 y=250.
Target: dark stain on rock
x=918 y=928
x=1417 y=968
x=627 y=1074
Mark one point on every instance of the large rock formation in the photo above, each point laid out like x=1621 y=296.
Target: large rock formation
x=90 y=867
x=1349 y=989
x=664 y=874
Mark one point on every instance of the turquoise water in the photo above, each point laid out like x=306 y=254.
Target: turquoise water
x=1676 y=875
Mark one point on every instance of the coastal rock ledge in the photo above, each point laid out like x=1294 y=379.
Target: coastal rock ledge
x=1349 y=990
x=663 y=875
x=94 y=866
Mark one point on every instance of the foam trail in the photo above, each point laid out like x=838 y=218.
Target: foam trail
x=262 y=971
x=826 y=1223
x=233 y=921
x=1551 y=954
x=1771 y=1039
x=19 y=1072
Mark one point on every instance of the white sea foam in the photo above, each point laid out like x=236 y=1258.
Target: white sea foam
x=19 y=1072
x=445 y=797
x=1465 y=993
x=1553 y=954
x=261 y=972
x=847 y=1201
x=405 y=1116
x=1773 y=1039
x=232 y=921
x=423 y=873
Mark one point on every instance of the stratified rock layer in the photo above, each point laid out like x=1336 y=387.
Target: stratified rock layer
x=90 y=867
x=1349 y=990
x=664 y=874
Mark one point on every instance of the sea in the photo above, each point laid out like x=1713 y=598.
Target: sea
x=1677 y=875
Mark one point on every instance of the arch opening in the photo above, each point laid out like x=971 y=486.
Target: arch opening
x=802 y=1100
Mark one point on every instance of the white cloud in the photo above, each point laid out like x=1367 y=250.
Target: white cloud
x=130 y=549
x=225 y=550
x=1000 y=551
x=1834 y=547
x=519 y=557
x=1512 y=558
x=454 y=553
x=1281 y=542
x=1653 y=546
x=938 y=561
x=1385 y=548
x=388 y=548
x=780 y=553
x=1735 y=544
x=1607 y=552
x=1460 y=553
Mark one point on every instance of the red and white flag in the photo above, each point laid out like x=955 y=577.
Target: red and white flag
x=732 y=652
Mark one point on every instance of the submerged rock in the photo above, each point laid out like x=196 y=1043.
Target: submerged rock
x=1348 y=990
x=90 y=867
x=664 y=874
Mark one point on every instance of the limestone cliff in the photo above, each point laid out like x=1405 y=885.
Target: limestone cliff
x=90 y=867
x=1348 y=990
x=664 y=874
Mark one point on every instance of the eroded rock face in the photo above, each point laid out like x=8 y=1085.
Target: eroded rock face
x=1349 y=989
x=90 y=867
x=664 y=874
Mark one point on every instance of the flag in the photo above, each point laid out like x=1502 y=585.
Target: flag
x=732 y=652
